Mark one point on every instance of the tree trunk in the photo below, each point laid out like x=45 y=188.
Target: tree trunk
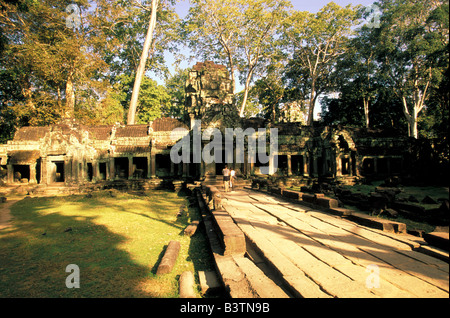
x=231 y=64
x=312 y=102
x=70 y=98
x=411 y=118
x=247 y=88
x=141 y=68
x=366 y=110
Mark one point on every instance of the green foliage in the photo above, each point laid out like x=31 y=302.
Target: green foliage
x=270 y=92
x=62 y=71
x=399 y=69
x=392 y=76
x=413 y=41
x=175 y=86
x=153 y=98
x=240 y=34
x=315 y=41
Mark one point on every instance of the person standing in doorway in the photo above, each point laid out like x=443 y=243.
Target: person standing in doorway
x=226 y=178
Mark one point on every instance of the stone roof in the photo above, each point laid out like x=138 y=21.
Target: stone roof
x=31 y=133
x=201 y=66
x=132 y=131
x=132 y=149
x=167 y=124
x=100 y=132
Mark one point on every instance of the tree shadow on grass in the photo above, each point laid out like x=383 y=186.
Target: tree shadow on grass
x=38 y=247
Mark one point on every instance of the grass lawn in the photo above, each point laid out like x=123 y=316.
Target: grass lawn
x=117 y=243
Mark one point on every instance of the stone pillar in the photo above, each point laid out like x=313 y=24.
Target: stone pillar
x=315 y=167
x=202 y=169
x=172 y=169
x=74 y=172
x=130 y=167
x=149 y=166
x=153 y=158
x=33 y=173
x=192 y=120
x=67 y=170
x=10 y=171
x=338 y=166
x=111 y=170
x=44 y=171
x=95 y=171
x=272 y=167
x=305 y=166
x=82 y=171
x=289 y=165
x=106 y=170
x=185 y=170
x=350 y=165
x=153 y=165
x=245 y=170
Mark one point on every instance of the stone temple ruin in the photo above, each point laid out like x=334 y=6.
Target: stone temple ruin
x=71 y=154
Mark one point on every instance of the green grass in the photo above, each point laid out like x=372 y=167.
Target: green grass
x=117 y=242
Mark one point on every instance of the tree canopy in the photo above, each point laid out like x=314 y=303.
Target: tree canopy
x=79 y=59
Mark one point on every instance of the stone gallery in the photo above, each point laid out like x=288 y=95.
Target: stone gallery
x=70 y=153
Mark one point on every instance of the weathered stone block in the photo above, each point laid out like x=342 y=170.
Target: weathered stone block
x=409 y=208
x=382 y=224
x=217 y=198
x=290 y=194
x=309 y=198
x=191 y=228
x=276 y=190
x=327 y=202
x=209 y=283
x=169 y=258
x=187 y=283
x=438 y=239
x=231 y=236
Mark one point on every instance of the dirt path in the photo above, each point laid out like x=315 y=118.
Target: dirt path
x=5 y=213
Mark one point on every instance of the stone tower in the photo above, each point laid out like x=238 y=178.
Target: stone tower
x=209 y=94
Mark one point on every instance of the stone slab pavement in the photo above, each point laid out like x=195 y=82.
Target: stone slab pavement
x=322 y=255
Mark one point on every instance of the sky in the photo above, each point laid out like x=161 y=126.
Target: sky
x=182 y=8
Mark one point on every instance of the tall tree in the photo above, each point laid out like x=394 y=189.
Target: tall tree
x=51 y=57
x=211 y=29
x=142 y=63
x=315 y=42
x=240 y=34
x=356 y=71
x=413 y=36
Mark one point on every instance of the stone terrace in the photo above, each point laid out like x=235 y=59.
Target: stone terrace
x=290 y=249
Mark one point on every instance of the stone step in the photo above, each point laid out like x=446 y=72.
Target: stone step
x=260 y=283
x=438 y=239
x=209 y=283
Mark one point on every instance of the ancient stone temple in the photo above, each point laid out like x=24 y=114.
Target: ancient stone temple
x=70 y=153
